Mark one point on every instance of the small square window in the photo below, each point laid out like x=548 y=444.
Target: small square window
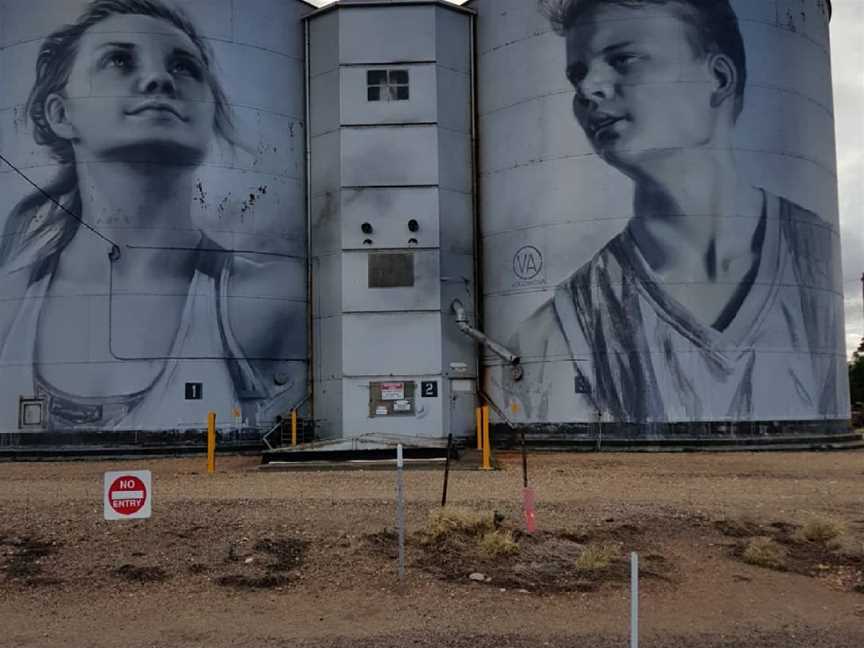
x=387 y=85
x=376 y=77
x=31 y=413
x=398 y=77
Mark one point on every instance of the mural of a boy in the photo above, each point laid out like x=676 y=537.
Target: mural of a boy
x=717 y=291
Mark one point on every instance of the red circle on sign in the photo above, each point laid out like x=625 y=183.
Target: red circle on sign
x=127 y=495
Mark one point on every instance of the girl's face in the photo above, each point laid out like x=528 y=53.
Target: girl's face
x=138 y=90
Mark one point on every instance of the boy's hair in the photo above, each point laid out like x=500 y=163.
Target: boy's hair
x=714 y=22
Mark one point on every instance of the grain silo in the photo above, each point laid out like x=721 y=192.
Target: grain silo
x=659 y=219
x=154 y=248
x=631 y=206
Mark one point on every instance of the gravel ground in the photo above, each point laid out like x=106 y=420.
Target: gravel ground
x=245 y=558
x=812 y=638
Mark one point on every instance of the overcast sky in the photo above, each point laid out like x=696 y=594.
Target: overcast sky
x=847 y=28
x=847 y=33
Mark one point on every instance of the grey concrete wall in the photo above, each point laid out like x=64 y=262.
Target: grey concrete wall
x=387 y=163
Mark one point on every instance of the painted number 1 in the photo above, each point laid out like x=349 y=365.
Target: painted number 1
x=194 y=391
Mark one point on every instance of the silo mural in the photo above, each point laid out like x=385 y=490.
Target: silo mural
x=152 y=265
x=660 y=216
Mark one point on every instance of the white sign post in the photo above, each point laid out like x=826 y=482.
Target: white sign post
x=127 y=495
x=400 y=510
x=634 y=600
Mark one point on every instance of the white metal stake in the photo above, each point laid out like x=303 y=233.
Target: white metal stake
x=634 y=600
x=400 y=510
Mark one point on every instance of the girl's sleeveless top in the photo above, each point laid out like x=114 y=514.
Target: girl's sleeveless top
x=204 y=351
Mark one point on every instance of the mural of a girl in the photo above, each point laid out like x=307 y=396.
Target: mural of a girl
x=124 y=308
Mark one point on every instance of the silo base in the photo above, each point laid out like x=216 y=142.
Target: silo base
x=682 y=437
x=101 y=443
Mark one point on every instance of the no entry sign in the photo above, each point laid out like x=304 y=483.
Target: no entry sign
x=128 y=495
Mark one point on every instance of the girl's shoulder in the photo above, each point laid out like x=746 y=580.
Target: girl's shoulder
x=263 y=297
x=13 y=289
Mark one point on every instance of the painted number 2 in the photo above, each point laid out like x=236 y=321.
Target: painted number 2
x=429 y=389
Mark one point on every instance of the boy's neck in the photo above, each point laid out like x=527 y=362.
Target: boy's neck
x=693 y=212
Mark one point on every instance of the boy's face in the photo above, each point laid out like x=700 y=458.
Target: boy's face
x=642 y=92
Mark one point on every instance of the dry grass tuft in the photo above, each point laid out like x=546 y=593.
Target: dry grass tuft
x=821 y=531
x=596 y=557
x=445 y=522
x=765 y=552
x=497 y=543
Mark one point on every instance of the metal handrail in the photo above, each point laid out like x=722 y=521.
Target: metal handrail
x=278 y=426
x=266 y=438
x=486 y=397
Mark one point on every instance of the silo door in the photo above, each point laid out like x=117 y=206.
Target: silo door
x=463 y=400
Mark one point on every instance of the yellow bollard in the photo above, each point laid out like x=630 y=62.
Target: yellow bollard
x=211 y=443
x=293 y=428
x=478 y=411
x=487 y=446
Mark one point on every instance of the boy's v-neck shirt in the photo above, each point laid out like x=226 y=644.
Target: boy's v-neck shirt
x=614 y=343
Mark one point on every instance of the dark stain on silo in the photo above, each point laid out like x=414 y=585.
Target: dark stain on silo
x=253 y=198
x=223 y=203
x=200 y=197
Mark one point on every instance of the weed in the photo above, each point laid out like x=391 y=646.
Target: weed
x=596 y=557
x=497 y=543
x=762 y=551
x=445 y=522
x=821 y=531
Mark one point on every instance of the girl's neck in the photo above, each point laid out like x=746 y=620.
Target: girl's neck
x=140 y=205
x=145 y=210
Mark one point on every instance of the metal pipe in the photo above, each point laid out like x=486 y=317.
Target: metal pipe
x=310 y=315
x=498 y=349
x=211 y=443
x=447 y=469
x=475 y=186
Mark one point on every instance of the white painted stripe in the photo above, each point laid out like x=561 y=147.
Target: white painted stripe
x=127 y=495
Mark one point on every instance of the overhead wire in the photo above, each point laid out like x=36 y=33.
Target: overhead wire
x=57 y=203
x=116 y=246
x=114 y=255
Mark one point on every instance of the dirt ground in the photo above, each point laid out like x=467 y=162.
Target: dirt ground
x=307 y=559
